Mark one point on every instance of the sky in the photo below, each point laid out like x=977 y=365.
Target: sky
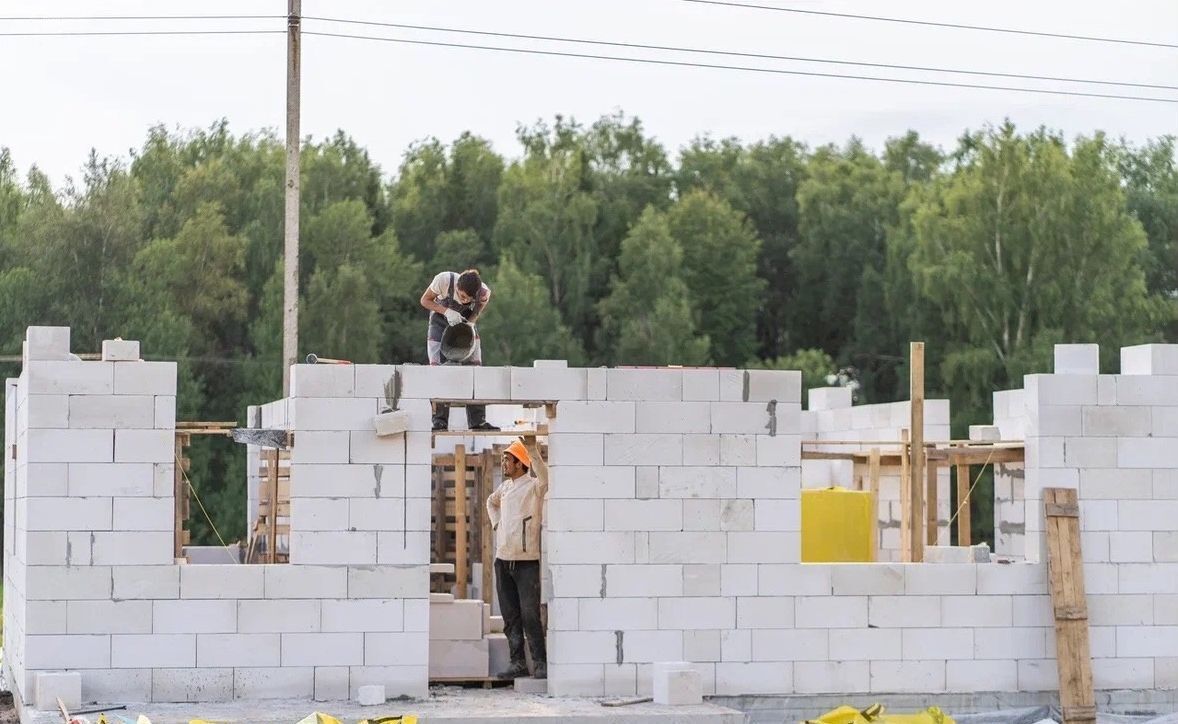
x=62 y=96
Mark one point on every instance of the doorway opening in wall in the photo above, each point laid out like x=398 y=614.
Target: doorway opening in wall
x=214 y=519
x=467 y=640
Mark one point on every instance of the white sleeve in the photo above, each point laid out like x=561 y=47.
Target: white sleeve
x=440 y=286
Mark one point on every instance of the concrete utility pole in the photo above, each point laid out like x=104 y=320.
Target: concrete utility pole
x=290 y=283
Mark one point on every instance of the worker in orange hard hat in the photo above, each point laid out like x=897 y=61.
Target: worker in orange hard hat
x=516 y=509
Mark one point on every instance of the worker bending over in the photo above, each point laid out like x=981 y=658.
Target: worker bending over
x=516 y=509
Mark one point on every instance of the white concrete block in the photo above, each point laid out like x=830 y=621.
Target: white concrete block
x=765 y=612
x=830 y=612
x=1116 y=484
x=638 y=515
x=907 y=676
x=701 y=645
x=221 y=581
x=701 y=514
x=398 y=548
x=1151 y=391
x=120 y=350
x=392 y=648
x=367 y=448
x=735 y=678
x=47 y=343
x=373 y=615
x=784 y=386
x=45 y=411
x=777 y=514
x=333 y=413
x=240 y=650
x=278 y=616
x=322 y=649
x=199 y=617
x=55 y=686
x=144 y=582
x=896 y=612
x=371 y=695
x=673 y=417
x=332 y=380
x=748 y=418
x=133 y=651
x=69 y=446
x=1143 y=452
x=333 y=548
x=688 y=547
x=493 y=383
x=793 y=580
x=646 y=481
x=1117 y=421
x=192 y=685
x=676 y=684
x=578 y=482
x=274 y=683
x=588 y=580
x=1077 y=359
x=60 y=652
x=701 y=580
x=594 y=417
x=821 y=677
x=645 y=449
x=371 y=380
x=286 y=581
x=779 y=450
x=1032 y=610
x=1061 y=389
x=68 y=378
x=860 y=579
x=131 y=549
x=1129 y=547
x=1146 y=641
x=111 y=479
x=36 y=480
x=331 y=683
x=117 y=685
x=549 y=383
x=307 y=514
x=1016 y=578
x=763 y=547
x=576 y=449
x=461 y=620
x=644 y=384
x=410 y=581
x=694 y=613
x=84 y=514
x=977 y=611
x=701 y=385
x=738 y=450
x=144 y=446
x=1011 y=643
x=1149 y=359
x=736 y=514
x=407 y=680
x=596 y=383
x=1145 y=577
x=697 y=482
x=577 y=515
x=874 y=644
x=614 y=614
x=701 y=449
x=971 y=676
x=145 y=514
x=1165 y=546
x=829 y=398
x=144 y=378
x=1116 y=610
x=581 y=647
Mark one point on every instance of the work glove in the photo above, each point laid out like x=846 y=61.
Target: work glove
x=453 y=317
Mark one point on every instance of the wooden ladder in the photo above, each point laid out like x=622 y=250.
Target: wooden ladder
x=1065 y=569
x=273 y=508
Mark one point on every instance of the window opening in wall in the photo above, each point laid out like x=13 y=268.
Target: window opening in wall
x=467 y=639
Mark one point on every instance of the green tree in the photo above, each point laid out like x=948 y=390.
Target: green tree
x=647 y=318
x=459 y=250
x=520 y=324
x=341 y=318
x=814 y=364
x=720 y=267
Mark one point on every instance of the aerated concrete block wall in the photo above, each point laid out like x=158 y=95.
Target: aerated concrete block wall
x=1010 y=512
x=830 y=416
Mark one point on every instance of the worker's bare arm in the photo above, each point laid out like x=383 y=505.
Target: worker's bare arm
x=429 y=300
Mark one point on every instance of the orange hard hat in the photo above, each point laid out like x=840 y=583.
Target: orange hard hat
x=519 y=452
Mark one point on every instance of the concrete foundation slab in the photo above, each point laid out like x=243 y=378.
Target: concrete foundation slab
x=446 y=705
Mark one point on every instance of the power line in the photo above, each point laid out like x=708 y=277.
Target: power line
x=929 y=23
x=751 y=69
x=740 y=54
x=67 y=33
x=144 y=17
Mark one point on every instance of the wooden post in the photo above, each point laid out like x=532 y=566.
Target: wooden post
x=461 y=545
x=488 y=542
x=290 y=231
x=964 y=519
x=916 y=451
x=179 y=493
x=930 y=501
x=873 y=486
x=439 y=513
x=1065 y=572
x=905 y=500
x=272 y=533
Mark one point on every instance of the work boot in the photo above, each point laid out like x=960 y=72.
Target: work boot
x=440 y=425
x=484 y=425
x=540 y=670
x=517 y=670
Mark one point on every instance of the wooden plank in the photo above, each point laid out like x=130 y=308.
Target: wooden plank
x=1065 y=571
x=439 y=516
x=464 y=401
x=915 y=501
x=905 y=502
x=930 y=503
x=487 y=552
x=271 y=520
x=964 y=517
x=873 y=471
x=487 y=433
x=461 y=545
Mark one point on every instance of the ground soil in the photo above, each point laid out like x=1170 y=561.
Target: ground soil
x=8 y=713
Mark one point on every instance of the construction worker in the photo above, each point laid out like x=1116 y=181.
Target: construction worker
x=454 y=298
x=516 y=508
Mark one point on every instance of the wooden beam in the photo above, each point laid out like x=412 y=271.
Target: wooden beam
x=1065 y=572
x=905 y=501
x=487 y=552
x=964 y=518
x=461 y=545
x=873 y=486
x=179 y=493
x=915 y=553
x=272 y=518
x=439 y=492
x=930 y=502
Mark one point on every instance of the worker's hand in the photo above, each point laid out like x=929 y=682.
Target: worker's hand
x=454 y=317
x=529 y=441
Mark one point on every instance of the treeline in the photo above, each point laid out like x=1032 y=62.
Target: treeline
x=603 y=247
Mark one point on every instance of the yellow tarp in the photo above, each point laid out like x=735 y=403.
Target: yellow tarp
x=838 y=526
x=874 y=714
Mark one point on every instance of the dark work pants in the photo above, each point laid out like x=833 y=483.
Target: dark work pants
x=518 y=586
x=475 y=415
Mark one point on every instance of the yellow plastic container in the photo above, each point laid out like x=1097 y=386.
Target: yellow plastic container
x=838 y=526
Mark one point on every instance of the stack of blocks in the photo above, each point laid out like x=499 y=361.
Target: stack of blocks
x=831 y=417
